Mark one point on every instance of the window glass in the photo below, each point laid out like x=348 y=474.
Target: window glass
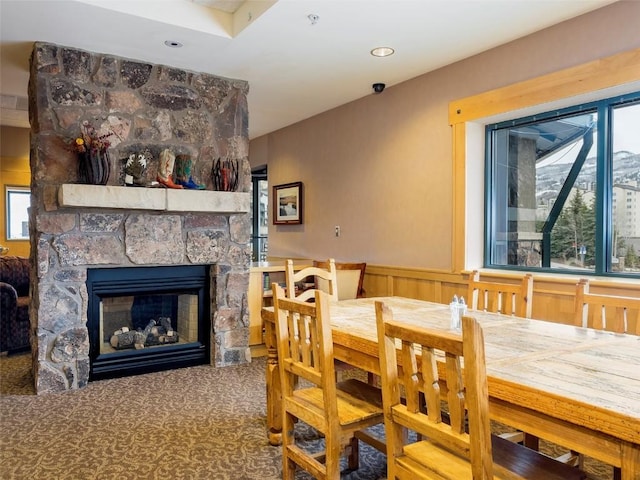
x=18 y=203
x=543 y=191
x=263 y=220
x=260 y=222
x=563 y=189
x=626 y=191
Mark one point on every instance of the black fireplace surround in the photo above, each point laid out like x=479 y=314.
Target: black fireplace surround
x=143 y=294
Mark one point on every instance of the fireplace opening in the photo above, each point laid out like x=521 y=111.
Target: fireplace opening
x=147 y=319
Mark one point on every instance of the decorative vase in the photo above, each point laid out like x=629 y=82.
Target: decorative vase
x=94 y=167
x=224 y=174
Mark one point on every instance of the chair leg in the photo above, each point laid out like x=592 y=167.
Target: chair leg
x=531 y=441
x=288 y=466
x=617 y=473
x=354 y=454
x=332 y=460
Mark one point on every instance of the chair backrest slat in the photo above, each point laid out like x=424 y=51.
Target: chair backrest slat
x=455 y=392
x=431 y=385
x=505 y=298
x=411 y=380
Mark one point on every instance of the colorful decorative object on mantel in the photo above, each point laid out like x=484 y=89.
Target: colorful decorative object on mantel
x=224 y=174
x=165 y=171
x=134 y=170
x=94 y=165
x=184 y=164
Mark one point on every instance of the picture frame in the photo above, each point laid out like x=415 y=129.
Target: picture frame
x=287 y=204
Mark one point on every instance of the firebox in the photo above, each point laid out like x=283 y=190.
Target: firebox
x=147 y=319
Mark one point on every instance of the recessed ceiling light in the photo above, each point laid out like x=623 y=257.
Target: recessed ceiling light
x=172 y=44
x=382 y=51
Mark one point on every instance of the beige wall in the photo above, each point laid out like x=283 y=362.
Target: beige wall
x=259 y=152
x=381 y=167
x=14 y=171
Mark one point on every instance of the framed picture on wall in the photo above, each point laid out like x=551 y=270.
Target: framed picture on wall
x=287 y=204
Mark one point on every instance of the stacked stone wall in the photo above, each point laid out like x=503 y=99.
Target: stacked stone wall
x=143 y=107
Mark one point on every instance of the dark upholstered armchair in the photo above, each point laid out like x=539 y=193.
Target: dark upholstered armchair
x=14 y=303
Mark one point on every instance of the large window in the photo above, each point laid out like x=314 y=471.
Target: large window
x=563 y=190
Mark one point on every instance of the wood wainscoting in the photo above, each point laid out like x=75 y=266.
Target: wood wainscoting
x=553 y=295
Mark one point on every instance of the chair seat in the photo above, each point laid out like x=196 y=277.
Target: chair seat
x=359 y=404
x=511 y=462
x=425 y=455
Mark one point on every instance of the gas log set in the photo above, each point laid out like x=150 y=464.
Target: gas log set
x=155 y=333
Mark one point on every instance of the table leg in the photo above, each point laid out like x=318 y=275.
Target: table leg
x=274 y=388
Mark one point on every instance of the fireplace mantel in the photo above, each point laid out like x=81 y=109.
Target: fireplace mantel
x=159 y=199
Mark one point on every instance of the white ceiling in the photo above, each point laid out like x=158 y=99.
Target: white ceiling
x=295 y=68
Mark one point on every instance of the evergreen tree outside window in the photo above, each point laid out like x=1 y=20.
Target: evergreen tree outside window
x=563 y=190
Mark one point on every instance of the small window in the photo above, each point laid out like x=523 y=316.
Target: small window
x=18 y=203
x=260 y=223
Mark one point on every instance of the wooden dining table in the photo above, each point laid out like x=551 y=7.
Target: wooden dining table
x=574 y=386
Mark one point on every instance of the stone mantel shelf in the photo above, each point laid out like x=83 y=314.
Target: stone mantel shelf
x=162 y=199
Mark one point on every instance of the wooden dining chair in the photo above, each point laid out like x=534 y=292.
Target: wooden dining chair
x=304 y=282
x=446 y=407
x=349 y=276
x=348 y=285
x=506 y=298
x=613 y=313
x=336 y=410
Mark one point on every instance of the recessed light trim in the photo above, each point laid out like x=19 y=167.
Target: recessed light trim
x=382 y=51
x=172 y=44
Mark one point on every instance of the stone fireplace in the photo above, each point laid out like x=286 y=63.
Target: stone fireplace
x=76 y=229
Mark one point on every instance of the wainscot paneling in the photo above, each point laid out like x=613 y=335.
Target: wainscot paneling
x=553 y=295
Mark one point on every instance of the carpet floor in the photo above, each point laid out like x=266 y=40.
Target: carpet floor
x=190 y=423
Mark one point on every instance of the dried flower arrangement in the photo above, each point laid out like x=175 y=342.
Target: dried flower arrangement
x=90 y=141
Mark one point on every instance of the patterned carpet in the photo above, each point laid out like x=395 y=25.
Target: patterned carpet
x=191 y=423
